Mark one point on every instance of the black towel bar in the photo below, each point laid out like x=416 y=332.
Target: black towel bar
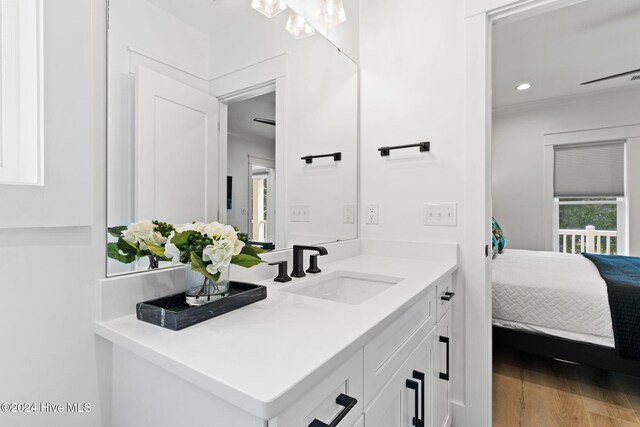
x=309 y=159
x=424 y=146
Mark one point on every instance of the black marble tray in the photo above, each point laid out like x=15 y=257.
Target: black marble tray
x=172 y=312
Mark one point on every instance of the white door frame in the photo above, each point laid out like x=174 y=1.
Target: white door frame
x=476 y=264
x=266 y=76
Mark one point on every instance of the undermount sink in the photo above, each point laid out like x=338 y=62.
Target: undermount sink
x=343 y=286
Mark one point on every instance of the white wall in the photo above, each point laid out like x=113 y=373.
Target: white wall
x=238 y=149
x=47 y=275
x=518 y=157
x=412 y=89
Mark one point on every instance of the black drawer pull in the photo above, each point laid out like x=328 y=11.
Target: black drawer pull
x=448 y=296
x=445 y=376
x=413 y=385
x=343 y=400
x=420 y=376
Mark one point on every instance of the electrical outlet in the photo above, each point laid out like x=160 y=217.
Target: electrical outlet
x=300 y=213
x=440 y=214
x=348 y=214
x=372 y=214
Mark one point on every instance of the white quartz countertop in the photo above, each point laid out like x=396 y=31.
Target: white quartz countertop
x=262 y=356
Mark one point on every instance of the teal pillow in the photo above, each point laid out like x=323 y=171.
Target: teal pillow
x=498 y=239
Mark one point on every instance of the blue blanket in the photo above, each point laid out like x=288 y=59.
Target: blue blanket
x=622 y=275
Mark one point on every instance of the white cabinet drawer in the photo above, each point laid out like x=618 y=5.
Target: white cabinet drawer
x=445 y=296
x=320 y=402
x=388 y=350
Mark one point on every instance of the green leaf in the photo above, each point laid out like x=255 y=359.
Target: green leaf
x=252 y=251
x=246 y=261
x=181 y=240
x=156 y=250
x=113 y=251
x=122 y=244
x=127 y=247
x=197 y=264
x=117 y=231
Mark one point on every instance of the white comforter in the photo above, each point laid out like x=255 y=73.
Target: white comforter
x=552 y=291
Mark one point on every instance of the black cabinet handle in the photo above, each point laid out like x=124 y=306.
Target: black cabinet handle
x=420 y=377
x=448 y=296
x=343 y=400
x=413 y=385
x=446 y=375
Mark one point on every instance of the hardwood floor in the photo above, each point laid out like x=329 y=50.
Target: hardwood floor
x=531 y=391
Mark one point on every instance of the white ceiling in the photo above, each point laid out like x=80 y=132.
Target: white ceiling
x=557 y=50
x=241 y=115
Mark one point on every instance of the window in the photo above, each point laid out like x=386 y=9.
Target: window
x=589 y=198
x=20 y=92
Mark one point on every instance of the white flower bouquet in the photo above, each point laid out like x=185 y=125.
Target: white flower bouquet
x=209 y=248
x=138 y=240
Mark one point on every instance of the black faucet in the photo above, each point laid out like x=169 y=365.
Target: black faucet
x=282 y=276
x=298 y=258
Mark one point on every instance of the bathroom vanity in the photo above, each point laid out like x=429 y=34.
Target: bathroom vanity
x=217 y=114
x=367 y=341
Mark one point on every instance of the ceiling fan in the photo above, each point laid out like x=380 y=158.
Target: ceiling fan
x=614 y=76
x=265 y=121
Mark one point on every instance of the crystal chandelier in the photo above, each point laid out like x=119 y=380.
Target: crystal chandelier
x=298 y=27
x=269 y=8
x=331 y=13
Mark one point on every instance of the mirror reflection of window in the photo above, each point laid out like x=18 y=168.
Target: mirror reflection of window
x=262 y=211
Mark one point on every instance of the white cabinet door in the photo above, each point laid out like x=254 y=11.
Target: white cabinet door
x=177 y=150
x=442 y=378
x=408 y=394
x=359 y=423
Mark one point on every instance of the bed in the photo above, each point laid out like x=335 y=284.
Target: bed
x=555 y=305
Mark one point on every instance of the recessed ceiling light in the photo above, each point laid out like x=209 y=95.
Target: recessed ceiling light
x=523 y=86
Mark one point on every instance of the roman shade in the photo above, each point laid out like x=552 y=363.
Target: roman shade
x=589 y=170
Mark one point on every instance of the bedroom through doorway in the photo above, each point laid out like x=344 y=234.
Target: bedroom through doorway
x=565 y=136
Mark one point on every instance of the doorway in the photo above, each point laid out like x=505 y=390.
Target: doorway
x=251 y=166
x=561 y=83
x=480 y=19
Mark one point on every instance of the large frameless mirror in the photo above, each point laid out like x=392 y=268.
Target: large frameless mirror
x=216 y=113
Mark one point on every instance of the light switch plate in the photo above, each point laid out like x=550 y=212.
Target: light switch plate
x=440 y=214
x=372 y=214
x=348 y=214
x=300 y=213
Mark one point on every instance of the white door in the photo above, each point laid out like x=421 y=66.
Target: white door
x=177 y=150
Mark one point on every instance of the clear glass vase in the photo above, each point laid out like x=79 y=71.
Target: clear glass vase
x=209 y=291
